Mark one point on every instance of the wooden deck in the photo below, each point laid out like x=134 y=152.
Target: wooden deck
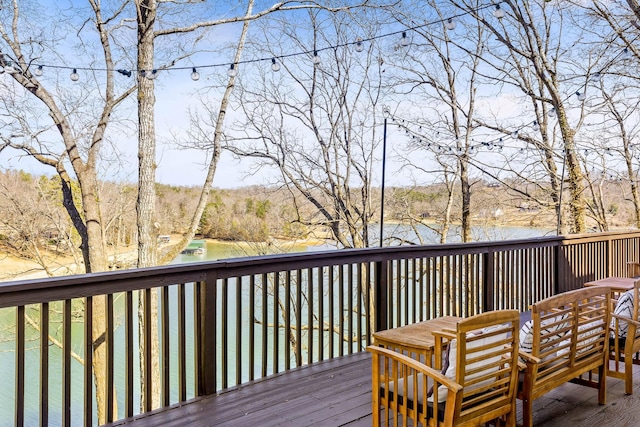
x=338 y=393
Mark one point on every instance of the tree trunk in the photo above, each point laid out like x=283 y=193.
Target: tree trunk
x=146 y=203
x=96 y=260
x=575 y=176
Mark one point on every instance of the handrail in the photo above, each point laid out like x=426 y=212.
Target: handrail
x=223 y=323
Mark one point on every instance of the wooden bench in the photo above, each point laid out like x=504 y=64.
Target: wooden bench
x=569 y=341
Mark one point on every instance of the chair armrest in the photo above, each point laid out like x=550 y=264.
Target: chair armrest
x=413 y=364
x=528 y=357
x=626 y=319
x=448 y=333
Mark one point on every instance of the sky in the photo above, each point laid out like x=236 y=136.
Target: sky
x=175 y=97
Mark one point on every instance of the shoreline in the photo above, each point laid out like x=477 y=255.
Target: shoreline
x=14 y=269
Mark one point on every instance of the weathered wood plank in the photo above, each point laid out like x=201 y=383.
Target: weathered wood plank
x=337 y=392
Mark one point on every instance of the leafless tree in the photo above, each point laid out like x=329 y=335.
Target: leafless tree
x=317 y=125
x=534 y=52
x=439 y=72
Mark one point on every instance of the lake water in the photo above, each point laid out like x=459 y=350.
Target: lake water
x=221 y=250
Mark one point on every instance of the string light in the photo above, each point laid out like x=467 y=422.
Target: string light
x=232 y=72
x=152 y=74
x=38 y=71
x=451 y=24
x=274 y=65
x=535 y=126
x=404 y=41
x=499 y=12
x=9 y=68
x=596 y=77
x=496 y=145
x=581 y=96
x=195 y=75
x=74 y=76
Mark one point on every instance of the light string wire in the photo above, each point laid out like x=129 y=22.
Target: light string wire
x=491 y=144
x=127 y=72
x=498 y=142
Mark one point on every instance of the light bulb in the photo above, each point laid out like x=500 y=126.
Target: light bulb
x=404 y=41
x=232 y=72
x=581 y=96
x=316 y=58
x=595 y=77
x=359 y=45
x=499 y=12
x=38 y=71
x=451 y=24
x=195 y=75
x=274 y=65
x=152 y=75
x=74 y=75
x=535 y=126
x=551 y=112
x=142 y=73
x=9 y=68
x=514 y=135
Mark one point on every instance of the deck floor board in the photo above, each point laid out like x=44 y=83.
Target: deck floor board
x=337 y=392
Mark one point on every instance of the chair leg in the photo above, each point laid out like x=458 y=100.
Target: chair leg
x=512 y=415
x=602 y=383
x=527 y=413
x=375 y=410
x=628 y=375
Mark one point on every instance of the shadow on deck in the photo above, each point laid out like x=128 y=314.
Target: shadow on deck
x=337 y=392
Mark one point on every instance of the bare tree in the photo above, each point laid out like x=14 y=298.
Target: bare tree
x=78 y=119
x=316 y=124
x=534 y=54
x=149 y=31
x=440 y=71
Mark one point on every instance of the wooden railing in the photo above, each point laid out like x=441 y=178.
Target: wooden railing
x=221 y=324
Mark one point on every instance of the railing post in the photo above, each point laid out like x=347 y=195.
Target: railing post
x=488 y=282
x=559 y=270
x=206 y=363
x=610 y=267
x=381 y=285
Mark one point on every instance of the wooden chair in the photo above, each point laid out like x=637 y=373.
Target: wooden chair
x=477 y=386
x=623 y=349
x=569 y=339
